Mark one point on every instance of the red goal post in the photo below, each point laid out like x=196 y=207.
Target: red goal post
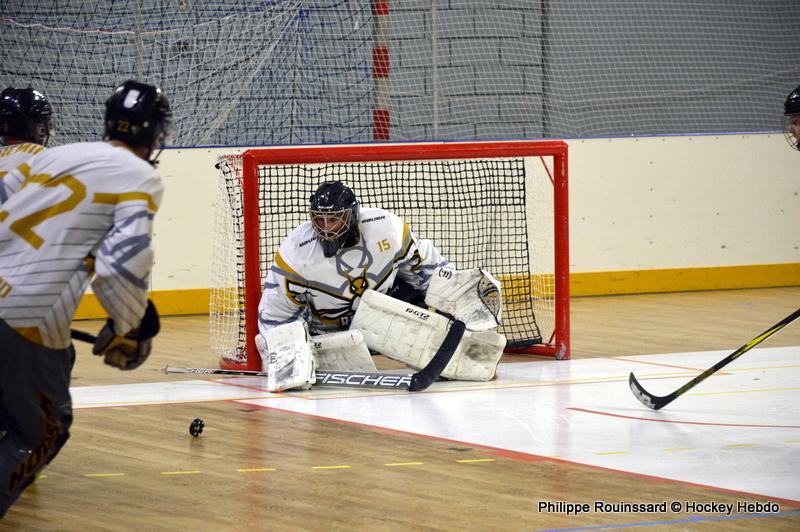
x=502 y=206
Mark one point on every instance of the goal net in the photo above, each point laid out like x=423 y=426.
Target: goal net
x=501 y=206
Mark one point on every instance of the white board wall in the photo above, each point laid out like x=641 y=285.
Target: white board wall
x=635 y=204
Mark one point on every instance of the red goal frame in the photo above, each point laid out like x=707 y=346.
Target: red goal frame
x=558 y=345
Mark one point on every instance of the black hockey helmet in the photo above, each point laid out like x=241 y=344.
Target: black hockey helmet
x=791 y=118
x=138 y=115
x=25 y=114
x=792 y=104
x=334 y=215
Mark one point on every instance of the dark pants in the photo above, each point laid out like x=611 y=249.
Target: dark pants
x=35 y=410
x=405 y=292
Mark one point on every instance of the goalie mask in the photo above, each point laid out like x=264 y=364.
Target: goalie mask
x=791 y=119
x=138 y=115
x=334 y=215
x=25 y=114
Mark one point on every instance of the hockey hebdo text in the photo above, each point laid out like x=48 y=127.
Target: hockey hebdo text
x=675 y=506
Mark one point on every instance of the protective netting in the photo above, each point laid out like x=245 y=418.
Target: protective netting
x=242 y=73
x=496 y=214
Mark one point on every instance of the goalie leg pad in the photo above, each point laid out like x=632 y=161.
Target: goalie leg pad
x=343 y=351
x=477 y=357
x=412 y=335
x=399 y=330
x=287 y=358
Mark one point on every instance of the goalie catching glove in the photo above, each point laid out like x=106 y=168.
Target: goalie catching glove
x=471 y=296
x=129 y=351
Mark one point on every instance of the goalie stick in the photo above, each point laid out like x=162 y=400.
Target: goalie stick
x=413 y=383
x=355 y=379
x=347 y=379
x=657 y=402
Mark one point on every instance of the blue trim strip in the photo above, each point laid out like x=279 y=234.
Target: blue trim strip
x=693 y=519
x=451 y=141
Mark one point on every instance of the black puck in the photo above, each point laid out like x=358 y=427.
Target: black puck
x=196 y=428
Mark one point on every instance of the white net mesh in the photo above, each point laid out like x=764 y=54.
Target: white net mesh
x=302 y=71
x=227 y=305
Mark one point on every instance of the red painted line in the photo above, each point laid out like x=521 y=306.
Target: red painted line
x=245 y=386
x=255 y=389
x=380 y=8
x=683 y=422
x=380 y=120
x=380 y=62
x=520 y=456
x=528 y=457
x=664 y=365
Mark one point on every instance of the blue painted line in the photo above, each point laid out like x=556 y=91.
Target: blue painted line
x=693 y=519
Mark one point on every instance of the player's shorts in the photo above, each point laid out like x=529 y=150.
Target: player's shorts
x=35 y=409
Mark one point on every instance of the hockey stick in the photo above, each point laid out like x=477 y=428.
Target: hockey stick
x=82 y=336
x=354 y=379
x=655 y=402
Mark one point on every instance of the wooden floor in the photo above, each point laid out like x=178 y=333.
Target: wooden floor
x=146 y=442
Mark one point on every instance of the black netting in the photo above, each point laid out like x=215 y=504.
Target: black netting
x=474 y=211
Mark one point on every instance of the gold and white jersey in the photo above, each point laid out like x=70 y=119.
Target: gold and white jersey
x=304 y=284
x=72 y=212
x=11 y=157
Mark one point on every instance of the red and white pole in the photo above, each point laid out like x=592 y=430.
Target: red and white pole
x=380 y=70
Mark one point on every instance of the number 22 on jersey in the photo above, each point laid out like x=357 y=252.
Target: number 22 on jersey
x=24 y=225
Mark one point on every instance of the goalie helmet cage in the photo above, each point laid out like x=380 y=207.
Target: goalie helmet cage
x=501 y=206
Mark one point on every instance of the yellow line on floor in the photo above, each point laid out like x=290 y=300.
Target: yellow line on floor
x=475 y=460
x=104 y=475
x=732 y=370
x=256 y=469
x=678 y=449
x=403 y=464
x=180 y=472
x=741 y=445
x=612 y=452
x=749 y=391
x=331 y=467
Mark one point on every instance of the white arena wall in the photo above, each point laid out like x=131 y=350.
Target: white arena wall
x=647 y=214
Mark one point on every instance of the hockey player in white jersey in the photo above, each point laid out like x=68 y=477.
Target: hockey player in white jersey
x=325 y=265
x=74 y=214
x=322 y=271
x=26 y=123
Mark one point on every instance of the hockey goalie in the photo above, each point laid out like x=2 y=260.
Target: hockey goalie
x=353 y=281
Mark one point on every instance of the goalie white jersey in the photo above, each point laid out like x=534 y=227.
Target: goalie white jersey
x=10 y=158
x=71 y=212
x=324 y=292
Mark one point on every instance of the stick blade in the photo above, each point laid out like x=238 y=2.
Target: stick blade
x=646 y=398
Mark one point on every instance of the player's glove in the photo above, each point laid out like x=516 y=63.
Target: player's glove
x=129 y=351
